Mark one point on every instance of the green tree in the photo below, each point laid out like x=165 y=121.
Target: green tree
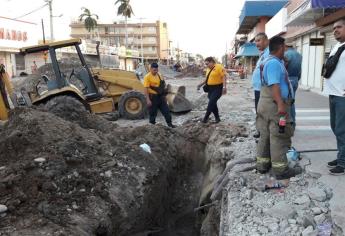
x=125 y=9
x=90 y=20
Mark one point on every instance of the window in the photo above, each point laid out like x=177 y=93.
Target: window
x=151 y=40
x=111 y=41
x=151 y=30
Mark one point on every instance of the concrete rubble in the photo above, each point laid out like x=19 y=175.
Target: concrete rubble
x=73 y=173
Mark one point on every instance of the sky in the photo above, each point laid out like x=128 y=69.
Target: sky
x=196 y=26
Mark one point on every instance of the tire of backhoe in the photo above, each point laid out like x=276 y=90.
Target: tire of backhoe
x=122 y=105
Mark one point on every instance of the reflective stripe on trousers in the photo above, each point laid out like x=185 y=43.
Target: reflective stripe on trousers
x=272 y=145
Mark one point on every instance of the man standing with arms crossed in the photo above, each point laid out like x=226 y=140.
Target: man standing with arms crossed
x=293 y=64
x=273 y=116
x=261 y=42
x=335 y=88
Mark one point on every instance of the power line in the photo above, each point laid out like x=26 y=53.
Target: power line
x=37 y=9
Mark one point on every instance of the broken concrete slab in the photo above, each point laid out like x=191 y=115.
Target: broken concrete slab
x=309 y=231
x=303 y=200
x=317 y=194
x=319 y=219
x=282 y=210
x=316 y=210
x=335 y=183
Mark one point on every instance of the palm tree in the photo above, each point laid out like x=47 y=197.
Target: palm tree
x=90 y=20
x=125 y=9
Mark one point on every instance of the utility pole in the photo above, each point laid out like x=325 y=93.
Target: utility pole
x=43 y=34
x=50 y=3
x=141 y=41
x=226 y=55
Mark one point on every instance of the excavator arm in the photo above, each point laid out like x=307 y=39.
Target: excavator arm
x=5 y=87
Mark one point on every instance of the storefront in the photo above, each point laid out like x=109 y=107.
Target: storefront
x=310 y=28
x=15 y=34
x=312 y=60
x=129 y=59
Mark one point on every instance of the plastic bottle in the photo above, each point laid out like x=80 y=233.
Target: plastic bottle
x=282 y=124
x=264 y=184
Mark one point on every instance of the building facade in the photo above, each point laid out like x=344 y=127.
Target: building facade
x=253 y=19
x=150 y=39
x=15 y=34
x=310 y=29
x=305 y=24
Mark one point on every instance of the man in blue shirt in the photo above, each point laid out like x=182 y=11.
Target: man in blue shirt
x=273 y=115
x=293 y=63
x=261 y=42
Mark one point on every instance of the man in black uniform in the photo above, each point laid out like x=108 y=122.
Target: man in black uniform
x=155 y=93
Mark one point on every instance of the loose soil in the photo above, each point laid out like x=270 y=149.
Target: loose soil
x=92 y=178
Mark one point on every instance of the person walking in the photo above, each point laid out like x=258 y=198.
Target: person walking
x=261 y=41
x=155 y=93
x=334 y=87
x=293 y=64
x=273 y=115
x=215 y=86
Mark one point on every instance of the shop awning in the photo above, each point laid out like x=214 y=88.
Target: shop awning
x=327 y=3
x=254 y=9
x=248 y=50
x=304 y=15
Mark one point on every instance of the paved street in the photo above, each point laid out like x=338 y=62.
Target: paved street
x=313 y=129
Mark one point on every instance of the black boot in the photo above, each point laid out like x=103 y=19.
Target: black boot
x=257 y=134
x=289 y=173
x=216 y=115
x=171 y=125
x=207 y=115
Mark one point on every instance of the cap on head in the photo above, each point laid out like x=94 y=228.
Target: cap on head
x=154 y=65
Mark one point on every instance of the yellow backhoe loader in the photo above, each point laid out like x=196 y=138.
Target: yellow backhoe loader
x=102 y=90
x=6 y=92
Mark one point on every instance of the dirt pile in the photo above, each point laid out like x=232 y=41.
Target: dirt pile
x=80 y=175
x=191 y=71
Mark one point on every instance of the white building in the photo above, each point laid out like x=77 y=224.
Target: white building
x=15 y=34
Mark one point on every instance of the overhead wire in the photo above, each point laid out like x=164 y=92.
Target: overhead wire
x=33 y=11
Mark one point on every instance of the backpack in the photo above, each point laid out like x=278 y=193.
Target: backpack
x=331 y=63
x=160 y=90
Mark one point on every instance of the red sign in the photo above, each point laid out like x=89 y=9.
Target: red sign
x=14 y=35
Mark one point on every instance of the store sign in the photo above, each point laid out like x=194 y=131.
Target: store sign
x=16 y=34
x=316 y=41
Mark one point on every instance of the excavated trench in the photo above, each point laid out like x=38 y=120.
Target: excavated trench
x=182 y=188
x=78 y=174
x=181 y=194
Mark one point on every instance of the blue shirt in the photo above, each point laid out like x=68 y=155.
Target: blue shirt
x=256 y=81
x=294 y=60
x=274 y=72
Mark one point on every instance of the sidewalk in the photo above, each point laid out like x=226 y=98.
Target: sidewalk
x=313 y=132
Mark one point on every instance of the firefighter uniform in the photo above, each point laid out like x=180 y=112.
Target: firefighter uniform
x=273 y=146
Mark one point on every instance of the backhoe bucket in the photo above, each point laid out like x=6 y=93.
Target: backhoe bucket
x=176 y=99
